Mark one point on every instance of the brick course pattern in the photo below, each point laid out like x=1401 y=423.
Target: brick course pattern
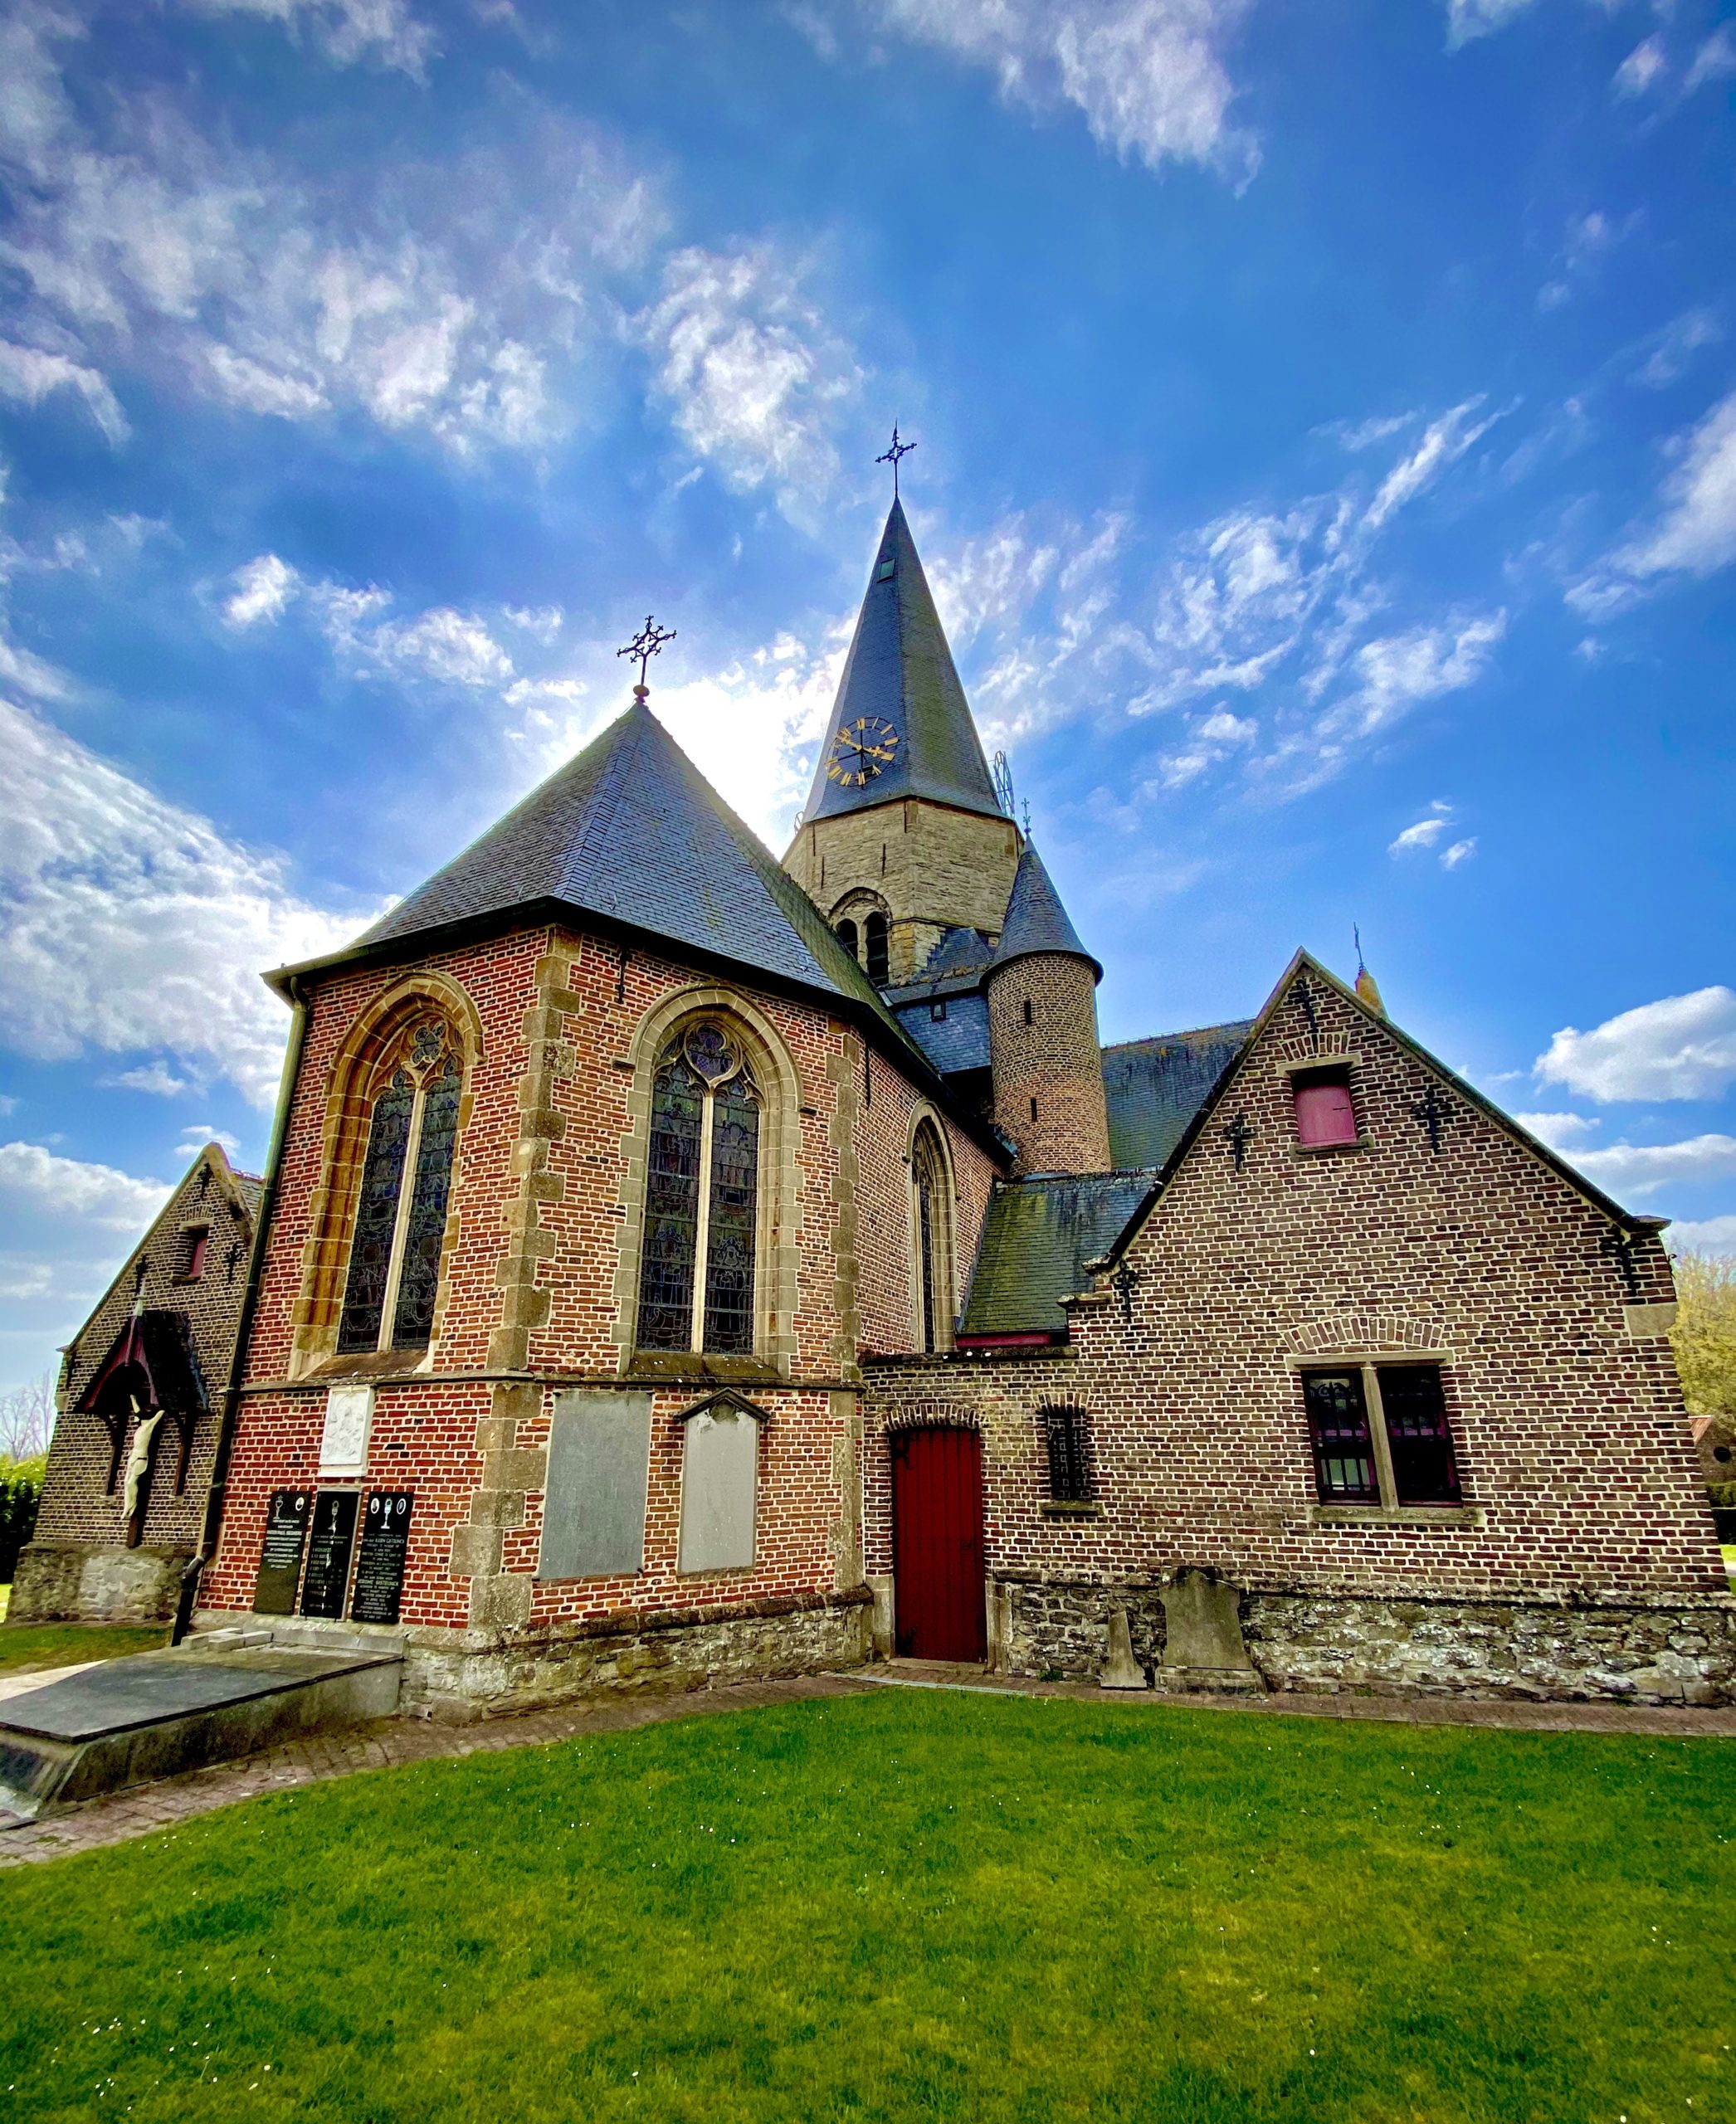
x=1048 y=1073
x=1581 y=1488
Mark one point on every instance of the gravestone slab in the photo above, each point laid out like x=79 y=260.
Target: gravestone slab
x=1203 y=1642
x=380 y=1587
x=327 y=1554
x=720 y=1483
x=279 y=1559
x=599 y=1463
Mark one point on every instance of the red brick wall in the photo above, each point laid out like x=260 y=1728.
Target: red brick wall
x=1570 y=1433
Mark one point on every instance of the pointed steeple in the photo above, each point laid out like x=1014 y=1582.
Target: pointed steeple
x=900 y=672
x=1035 y=921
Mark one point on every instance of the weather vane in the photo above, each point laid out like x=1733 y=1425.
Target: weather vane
x=645 y=645
x=892 y=456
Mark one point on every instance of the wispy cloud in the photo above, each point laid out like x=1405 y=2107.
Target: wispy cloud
x=1631 y=1169
x=1670 y=352
x=1679 y=1047
x=1149 y=77
x=28 y=375
x=441 y=643
x=342 y=30
x=1641 y=69
x=1694 y=530
x=1427 y=836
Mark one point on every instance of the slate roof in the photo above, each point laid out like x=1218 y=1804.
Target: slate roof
x=1038 y=1235
x=957 y=1041
x=900 y=668
x=1155 y=1087
x=1036 y=919
x=631 y=830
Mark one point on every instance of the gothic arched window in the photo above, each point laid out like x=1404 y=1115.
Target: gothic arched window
x=701 y=1196
x=933 y=1237
x=846 y=936
x=401 y=1208
x=873 y=947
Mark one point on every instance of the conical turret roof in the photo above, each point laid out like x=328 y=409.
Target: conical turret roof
x=901 y=671
x=1035 y=921
x=631 y=830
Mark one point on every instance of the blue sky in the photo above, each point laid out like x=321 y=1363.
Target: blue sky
x=1326 y=425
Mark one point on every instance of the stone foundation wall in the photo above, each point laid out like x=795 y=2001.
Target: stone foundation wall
x=462 y=1674
x=74 y=1582
x=1676 y=1653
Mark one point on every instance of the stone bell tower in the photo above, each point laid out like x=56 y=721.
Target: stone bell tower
x=904 y=837
x=1043 y=1033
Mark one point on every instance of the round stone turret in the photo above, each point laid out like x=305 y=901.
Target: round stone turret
x=1043 y=1048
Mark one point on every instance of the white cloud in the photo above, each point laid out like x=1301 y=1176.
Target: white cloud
x=154 y=1077
x=1466 y=19
x=263 y=587
x=1714 y=61
x=1674 y=347
x=343 y=31
x=129 y=923
x=28 y=674
x=1148 y=76
x=1680 y=1047
x=1424 y=834
x=1695 y=532
x=198 y=1134
x=1707 y=1235
x=1627 y=1169
x=1561 y=1131
x=1213 y=737
x=28 y=376
x=1444 y=442
x=24 y=1279
x=69 y=1187
x=1461 y=851
x=1641 y=69
x=754 y=376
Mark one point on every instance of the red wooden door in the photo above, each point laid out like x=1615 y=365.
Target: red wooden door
x=937 y=1544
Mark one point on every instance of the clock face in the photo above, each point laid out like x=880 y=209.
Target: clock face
x=861 y=750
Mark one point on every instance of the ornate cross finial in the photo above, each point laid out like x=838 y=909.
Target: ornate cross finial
x=892 y=456
x=1238 y=1136
x=1125 y=1282
x=645 y=645
x=1431 y=1110
x=1619 y=1246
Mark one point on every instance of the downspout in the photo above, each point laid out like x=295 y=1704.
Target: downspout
x=211 y=1526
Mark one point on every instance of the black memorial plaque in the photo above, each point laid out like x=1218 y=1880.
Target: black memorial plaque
x=279 y=1561
x=380 y=1570
x=327 y=1554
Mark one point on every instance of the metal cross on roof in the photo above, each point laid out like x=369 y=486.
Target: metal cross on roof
x=892 y=456
x=1125 y=1282
x=645 y=645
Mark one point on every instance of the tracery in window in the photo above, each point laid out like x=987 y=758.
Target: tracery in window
x=400 y=1209
x=702 y=1196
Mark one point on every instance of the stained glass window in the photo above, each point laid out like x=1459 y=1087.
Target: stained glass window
x=383 y=1178
x=419 y=1276
x=734 y=1205
x=671 y=1208
x=1337 y=1418
x=705 y=1124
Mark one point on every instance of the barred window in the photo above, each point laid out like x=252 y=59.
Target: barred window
x=1337 y=1421
x=399 y=1231
x=1067 y=1431
x=1381 y=1436
x=702 y=1197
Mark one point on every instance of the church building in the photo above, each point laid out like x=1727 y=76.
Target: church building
x=676 y=1266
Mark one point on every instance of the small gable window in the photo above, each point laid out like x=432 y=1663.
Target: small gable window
x=702 y=1197
x=846 y=937
x=1380 y=1436
x=1324 y=1113
x=875 y=952
x=191 y=1245
x=719 y=1487
x=887 y=569
x=400 y=1210
x=937 y=1010
x=1068 y=1436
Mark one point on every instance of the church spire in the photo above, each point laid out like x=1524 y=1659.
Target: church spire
x=900 y=726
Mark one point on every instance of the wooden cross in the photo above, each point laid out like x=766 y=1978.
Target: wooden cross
x=645 y=644
x=1431 y=1110
x=1238 y=1136
x=892 y=456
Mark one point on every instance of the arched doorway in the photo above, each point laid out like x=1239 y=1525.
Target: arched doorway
x=937 y=1544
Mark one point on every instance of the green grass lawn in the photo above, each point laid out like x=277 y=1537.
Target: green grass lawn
x=912 y=1905
x=24 y=1646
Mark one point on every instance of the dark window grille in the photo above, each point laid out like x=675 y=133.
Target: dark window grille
x=419 y=1277
x=1424 y=1468
x=874 y=940
x=1068 y=1433
x=382 y=1179
x=1338 y=1422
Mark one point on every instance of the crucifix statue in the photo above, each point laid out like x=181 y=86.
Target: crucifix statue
x=139 y=1469
x=892 y=456
x=645 y=644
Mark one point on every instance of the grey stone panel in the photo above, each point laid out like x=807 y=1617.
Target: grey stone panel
x=599 y=1462
x=720 y=1483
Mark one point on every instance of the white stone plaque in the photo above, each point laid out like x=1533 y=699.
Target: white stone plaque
x=343 y=1443
x=720 y=1478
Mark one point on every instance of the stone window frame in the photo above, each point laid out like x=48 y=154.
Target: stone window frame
x=775 y=1251
x=854 y=906
x=1345 y=1058
x=1084 y=1503
x=1388 y=1512
x=925 y=1120
x=346 y=1119
x=193 y=1249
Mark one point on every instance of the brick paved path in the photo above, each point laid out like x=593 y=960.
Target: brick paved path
x=388 y=1742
